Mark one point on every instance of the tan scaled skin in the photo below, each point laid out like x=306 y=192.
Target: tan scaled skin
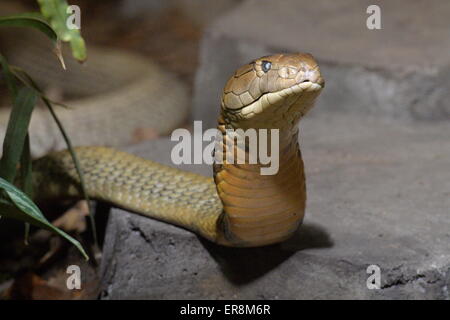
x=239 y=207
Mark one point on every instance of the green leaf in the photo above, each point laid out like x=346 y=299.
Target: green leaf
x=56 y=13
x=77 y=167
x=26 y=168
x=27 y=80
x=26 y=177
x=27 y=233
x=9 y=78
x=16 y=132
x=37 y=21
x=78 y=47
x=24 y=209
x=30 y=19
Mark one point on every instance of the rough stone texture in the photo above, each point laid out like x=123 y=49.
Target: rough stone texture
x=400 y=71
x=378 y=193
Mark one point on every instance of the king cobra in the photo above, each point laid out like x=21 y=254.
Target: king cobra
x=239 y=207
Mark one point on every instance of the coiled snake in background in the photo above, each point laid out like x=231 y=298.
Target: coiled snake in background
x=115 y=98
x=239 y=207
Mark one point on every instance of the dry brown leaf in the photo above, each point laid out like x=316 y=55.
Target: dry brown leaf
x=74 y=219
x=32 y=287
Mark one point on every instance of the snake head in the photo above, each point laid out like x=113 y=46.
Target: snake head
x=272 y=89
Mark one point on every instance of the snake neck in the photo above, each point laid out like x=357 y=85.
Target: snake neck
x=260 y=209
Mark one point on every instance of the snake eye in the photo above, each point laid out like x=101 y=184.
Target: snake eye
x=266 y=65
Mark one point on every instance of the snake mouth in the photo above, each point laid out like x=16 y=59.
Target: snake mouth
x=272 y=99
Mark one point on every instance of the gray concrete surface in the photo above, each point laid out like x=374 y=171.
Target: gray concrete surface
x=378 y=193
x=400 y=71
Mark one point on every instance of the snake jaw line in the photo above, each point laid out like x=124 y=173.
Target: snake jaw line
x=274 y=99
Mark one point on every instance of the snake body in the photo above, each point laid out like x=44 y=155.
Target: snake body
x=239 y=206
x=113 y=99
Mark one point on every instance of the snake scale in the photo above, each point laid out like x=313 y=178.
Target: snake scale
x=239 y=206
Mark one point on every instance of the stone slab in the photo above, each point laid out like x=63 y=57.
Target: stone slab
x=378 y=193
x=400 y=71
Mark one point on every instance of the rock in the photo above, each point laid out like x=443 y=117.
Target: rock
x=378 y=194
x=378 y=180
x=400 y=71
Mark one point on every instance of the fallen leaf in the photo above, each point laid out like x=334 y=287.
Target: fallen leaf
x=74 y=219
x=32 y=287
